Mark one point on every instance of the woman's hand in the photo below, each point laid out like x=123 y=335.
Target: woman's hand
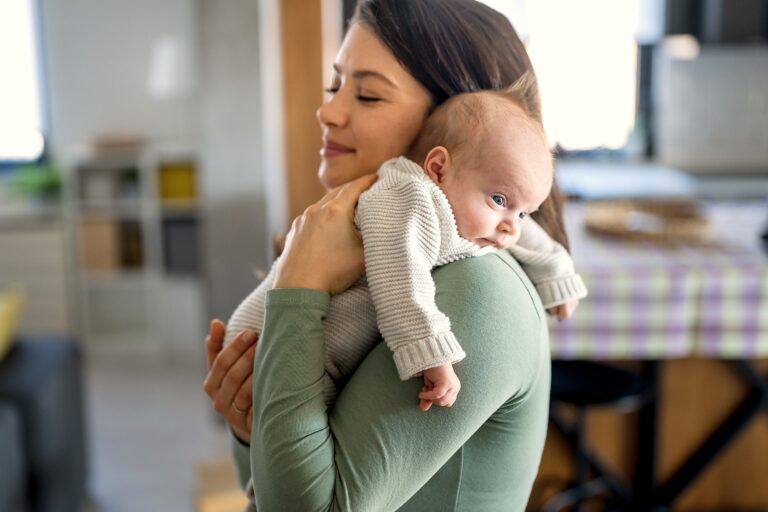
x=324 y=250
x=230 y=378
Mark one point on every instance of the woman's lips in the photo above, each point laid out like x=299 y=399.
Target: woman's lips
x=331 y=149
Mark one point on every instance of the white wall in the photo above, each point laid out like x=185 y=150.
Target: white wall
x=236 y=157
x=97 y=56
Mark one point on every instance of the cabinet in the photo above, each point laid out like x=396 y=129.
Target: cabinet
x=33 y=258
x=136 y=226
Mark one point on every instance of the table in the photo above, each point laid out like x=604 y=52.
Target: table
x=653 y=303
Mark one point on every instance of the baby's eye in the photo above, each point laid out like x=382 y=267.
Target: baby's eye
x=500 y=200
x=522 y=215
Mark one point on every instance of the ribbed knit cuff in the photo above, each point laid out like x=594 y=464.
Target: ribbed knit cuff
x=413 y=358
x=561 y=291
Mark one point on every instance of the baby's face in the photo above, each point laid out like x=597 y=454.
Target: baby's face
x=493 y=187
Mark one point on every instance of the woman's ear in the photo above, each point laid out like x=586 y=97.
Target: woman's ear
x=437 y=163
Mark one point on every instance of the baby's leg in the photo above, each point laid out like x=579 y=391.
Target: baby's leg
x=350 y=332
x=250 y=313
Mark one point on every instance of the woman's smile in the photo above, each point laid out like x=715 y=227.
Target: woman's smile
x=332 y=148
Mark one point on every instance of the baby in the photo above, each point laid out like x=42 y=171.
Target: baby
x=485 y=166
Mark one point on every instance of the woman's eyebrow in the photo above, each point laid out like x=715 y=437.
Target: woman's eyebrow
x=359 y=74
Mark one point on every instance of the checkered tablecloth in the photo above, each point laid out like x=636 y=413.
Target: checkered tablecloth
x=650 y=301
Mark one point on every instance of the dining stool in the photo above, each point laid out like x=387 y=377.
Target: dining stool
x=584 y=385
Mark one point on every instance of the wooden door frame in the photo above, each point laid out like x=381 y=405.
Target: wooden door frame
x=310 y=37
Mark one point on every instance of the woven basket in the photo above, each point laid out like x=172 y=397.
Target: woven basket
x=668 y=222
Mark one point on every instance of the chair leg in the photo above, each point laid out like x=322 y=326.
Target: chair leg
x=587 y=463
x=575 y=496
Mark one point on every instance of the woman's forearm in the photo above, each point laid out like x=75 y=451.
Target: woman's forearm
x=291 y=447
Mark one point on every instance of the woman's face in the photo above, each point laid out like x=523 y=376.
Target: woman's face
x=373 y=111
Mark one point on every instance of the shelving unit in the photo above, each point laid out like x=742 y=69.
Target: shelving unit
x=135 y=219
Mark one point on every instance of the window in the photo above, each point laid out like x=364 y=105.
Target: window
x=21 y=117
x=585 y=57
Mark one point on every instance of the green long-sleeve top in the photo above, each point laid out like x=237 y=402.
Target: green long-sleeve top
x=375 y=450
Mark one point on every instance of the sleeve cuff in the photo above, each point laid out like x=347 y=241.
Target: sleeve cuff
x=413 y=358
x=555 y=292
x=241 y=452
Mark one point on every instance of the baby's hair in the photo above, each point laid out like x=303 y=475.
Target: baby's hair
x=462 y=119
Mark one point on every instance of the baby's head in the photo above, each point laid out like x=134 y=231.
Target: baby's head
x=491 y=159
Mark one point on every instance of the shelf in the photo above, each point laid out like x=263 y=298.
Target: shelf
x=179 y=208
x=138 y=260
x=117 y=278
x=125 y=208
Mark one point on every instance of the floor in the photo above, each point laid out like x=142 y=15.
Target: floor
x=148 y=426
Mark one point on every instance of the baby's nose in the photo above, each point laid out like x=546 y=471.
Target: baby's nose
x=510 y=229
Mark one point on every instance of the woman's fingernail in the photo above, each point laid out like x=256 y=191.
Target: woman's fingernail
x=249 y=337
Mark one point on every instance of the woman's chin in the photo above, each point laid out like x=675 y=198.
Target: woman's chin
x=335 y=172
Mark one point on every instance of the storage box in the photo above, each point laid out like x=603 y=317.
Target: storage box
x=177 y=181
x=181 y=245
x=99 y=245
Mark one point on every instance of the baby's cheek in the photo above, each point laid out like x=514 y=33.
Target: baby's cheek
x=509 y=241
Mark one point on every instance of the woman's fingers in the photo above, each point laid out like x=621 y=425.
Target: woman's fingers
x=349 y=194
x=214 y=341
x=224 y=361
x=233 y=380
x=243 y=399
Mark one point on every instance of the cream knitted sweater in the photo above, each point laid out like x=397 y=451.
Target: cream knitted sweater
x=408 y=228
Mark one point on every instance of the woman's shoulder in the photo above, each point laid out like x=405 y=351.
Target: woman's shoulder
x=496 y=275
x=497 y=317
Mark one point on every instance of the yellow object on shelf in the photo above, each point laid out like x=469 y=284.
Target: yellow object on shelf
x=177 y=180
x=10 y=312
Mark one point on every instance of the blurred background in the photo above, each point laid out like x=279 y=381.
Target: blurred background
x=151 y=151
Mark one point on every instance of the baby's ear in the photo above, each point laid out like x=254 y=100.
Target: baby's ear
x=437 y=163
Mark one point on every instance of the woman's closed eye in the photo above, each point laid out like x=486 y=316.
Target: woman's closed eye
x=365 y=98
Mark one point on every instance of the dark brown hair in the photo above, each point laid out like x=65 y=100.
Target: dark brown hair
x=458 y=46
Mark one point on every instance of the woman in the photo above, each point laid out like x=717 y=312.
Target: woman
x=375 y=450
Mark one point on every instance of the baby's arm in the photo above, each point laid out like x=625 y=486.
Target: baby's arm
x=250 y=313
x=550 y=268
x=401 y=239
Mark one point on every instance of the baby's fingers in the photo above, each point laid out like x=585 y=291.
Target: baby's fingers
x=438 y=391
x=447 y=400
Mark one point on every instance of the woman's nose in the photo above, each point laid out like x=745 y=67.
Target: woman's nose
x=332 y=113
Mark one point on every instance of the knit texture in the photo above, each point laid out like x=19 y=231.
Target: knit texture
x=408 y=229
x=548 y=265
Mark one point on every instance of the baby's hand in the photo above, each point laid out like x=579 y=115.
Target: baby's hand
x=564 y=311
x=441 y=386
